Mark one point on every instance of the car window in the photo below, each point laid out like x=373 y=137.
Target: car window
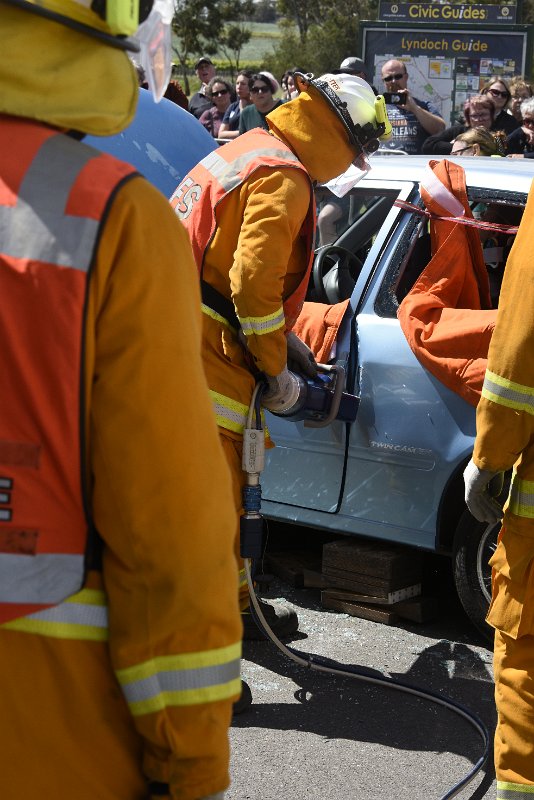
x=412 y=252
x=354 y=220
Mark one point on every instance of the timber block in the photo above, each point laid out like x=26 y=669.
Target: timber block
x=370 y=568
x=291 y=565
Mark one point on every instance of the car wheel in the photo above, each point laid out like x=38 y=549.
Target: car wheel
x=474 y=544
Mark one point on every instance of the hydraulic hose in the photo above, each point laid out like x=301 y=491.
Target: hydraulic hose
x=325 y=665
x=252 y=547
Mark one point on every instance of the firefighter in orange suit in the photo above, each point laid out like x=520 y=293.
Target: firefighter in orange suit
x=118 y=675
x=250 y=212
x=505 y=439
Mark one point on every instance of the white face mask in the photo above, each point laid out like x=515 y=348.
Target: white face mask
x=341 y=185
x=154 y=37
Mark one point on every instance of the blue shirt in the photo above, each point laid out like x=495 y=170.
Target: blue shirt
x=231 y=116
x=408 y=133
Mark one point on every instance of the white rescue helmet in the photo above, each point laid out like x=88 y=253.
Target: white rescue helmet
x=361 y=111
x=138 y=26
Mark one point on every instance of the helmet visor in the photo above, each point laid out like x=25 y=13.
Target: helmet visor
x=341 y=185
x=155 y=56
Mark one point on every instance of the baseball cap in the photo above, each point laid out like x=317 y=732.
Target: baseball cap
x=202 y=59
x=350 y=64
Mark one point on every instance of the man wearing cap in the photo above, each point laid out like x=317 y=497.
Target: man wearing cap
x=353 y=66
x=205 y=72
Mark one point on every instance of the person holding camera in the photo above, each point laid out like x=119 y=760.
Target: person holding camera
x=412 y=120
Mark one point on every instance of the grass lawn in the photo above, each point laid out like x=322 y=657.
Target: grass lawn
x=263 y=40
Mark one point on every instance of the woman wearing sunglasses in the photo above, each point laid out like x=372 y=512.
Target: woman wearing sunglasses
x=520 y=142
x=220 y=93
x=479 y=142
x=499 y=91
x=479 y=111
x=262 y=89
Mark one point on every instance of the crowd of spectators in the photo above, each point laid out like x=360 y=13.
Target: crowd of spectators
x=499 y=120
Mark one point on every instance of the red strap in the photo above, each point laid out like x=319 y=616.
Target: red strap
x=472 y=223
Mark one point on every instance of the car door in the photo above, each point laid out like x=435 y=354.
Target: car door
x=306 y=469
x=412 y=434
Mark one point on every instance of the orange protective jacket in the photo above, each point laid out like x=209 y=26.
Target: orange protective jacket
x=263 y=272
x=131 y=679
x=229 y=185
x=447 y=316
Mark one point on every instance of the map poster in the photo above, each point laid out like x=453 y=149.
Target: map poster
x=445 y=66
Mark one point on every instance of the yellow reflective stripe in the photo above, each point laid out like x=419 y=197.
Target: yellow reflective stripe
x=508 y=393
x=83 y=616
x=514 y=791
x=521 y=502
x=229 y=413
x=182 y=680
x=261 y=325
x=209 y=312
x=242 y=578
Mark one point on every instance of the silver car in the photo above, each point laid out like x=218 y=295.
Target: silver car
x=395 y=473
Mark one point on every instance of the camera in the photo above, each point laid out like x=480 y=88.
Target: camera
x=394 y=98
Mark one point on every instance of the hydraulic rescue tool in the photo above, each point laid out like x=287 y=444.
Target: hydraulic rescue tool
x=322 y=400
x=319 y=402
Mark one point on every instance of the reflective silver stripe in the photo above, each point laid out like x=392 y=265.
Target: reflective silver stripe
x=229 y=175
x=514 y=791
x=180 y=681
x=521 y=497
x=262 y=325
x=44 y=578
x=37 y=227
x=74 y=614
x=508 y=393
x=230 y=414
x=84 y=616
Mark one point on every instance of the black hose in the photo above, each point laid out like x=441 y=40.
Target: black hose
x=326 y=665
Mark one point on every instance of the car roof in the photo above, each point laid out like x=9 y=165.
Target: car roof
x=164 y=142
x=504 y=174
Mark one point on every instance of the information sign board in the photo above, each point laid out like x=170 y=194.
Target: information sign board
x=445 y=65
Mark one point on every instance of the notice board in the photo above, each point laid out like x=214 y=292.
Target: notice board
x=446 y=64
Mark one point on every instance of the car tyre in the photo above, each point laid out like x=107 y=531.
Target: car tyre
x=474 y=544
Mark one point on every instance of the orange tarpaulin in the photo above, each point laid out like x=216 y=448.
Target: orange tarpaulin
x=446 y=317
x=317 y=325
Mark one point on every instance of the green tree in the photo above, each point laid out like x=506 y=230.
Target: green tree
x=264 y=11
x=320 y=34
x=303 y=13
x=196 y=26
x=236 y=31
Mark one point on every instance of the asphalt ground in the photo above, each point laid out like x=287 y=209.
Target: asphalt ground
x=317 y=736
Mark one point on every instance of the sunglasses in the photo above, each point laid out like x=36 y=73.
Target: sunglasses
x=396 y=77
x=220 y=93
x=528 y=122
x=497 y=93
x=463 y=149
x=259 y=89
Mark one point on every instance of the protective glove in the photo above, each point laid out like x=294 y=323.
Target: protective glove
x=478 y=499
x=282 y=393
x=299 y=356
